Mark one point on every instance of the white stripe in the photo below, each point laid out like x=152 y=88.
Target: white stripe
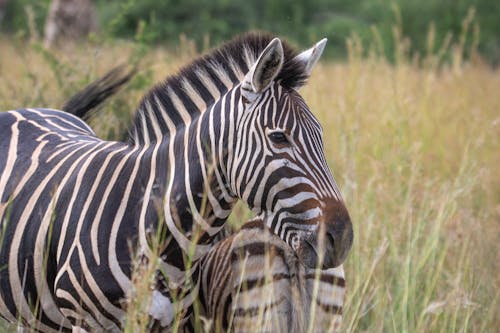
x=70 y=125
x=183 y=242
x=153 y=122
x=221 y=74
x=88 y=155
x=208 y=84
x=100 y=210
x=221 y=148
x=76 y=240
x=80 y=314
x=218 y=211
x=16 y=284
x=46 y=300
x=193 y=94
x=179 y=107
x=145 y=204
x=122 y=278
x=4 y=311
x=9 y=164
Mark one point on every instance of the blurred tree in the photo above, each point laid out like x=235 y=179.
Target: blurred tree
x=15 y=20
x=208 y=22
x=305 y=21
x=70 y=20
x=3 y=4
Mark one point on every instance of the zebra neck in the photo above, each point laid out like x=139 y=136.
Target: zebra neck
x=196 y=201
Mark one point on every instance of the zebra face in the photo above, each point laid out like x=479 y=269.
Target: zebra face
x=279 y=168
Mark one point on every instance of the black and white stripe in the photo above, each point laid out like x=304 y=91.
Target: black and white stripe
x=253 y=282
x=75 y=209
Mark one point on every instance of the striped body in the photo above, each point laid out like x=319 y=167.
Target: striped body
x=253 y=282
x=59 y=259
x=76 y=211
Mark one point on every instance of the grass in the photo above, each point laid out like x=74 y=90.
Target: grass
x=414 y=147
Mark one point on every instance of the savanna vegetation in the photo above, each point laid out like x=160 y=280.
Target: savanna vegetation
x=208 y=22
x=413 y=143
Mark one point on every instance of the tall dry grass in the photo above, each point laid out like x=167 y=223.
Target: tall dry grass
x=414 y=147
x=414 y=151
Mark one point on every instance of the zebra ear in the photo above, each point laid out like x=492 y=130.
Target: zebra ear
x=311 y=56
x=265 y=69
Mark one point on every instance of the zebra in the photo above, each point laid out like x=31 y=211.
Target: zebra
x=252 y=281
x=75 y=210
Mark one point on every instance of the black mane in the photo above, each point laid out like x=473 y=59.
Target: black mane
x=182 y=97
x=291 y=76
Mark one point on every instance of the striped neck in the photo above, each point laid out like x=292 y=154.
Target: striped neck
x=197 y=199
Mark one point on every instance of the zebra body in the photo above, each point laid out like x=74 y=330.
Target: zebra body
x=76 y=211
x=40 y=242
x=253 y=282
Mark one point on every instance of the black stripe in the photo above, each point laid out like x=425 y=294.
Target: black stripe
x=327 y=278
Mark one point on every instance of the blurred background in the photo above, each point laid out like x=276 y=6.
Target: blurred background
x=408 y=94
x=208 y=22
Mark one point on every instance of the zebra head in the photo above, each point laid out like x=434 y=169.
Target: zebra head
x=277 y=164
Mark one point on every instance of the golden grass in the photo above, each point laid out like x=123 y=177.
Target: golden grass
x=415 y=151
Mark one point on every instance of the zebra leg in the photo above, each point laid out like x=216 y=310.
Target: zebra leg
x=162 y=309
x=74 y=298
x=166 y=312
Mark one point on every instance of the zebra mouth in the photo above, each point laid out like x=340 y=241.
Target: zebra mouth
x=311 y=256
x=308 y=253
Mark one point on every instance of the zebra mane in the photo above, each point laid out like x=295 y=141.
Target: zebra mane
x=183 y=97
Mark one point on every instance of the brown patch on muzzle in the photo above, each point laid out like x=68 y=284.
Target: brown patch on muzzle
x=339 y=236
x=330 y=246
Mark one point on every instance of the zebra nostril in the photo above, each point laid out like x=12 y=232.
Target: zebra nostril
x=307 y=253
x=339 y=237
x=331 y=244
x=330 y=241
x=330 y=251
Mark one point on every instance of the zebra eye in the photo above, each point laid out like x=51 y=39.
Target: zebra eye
x=278 y=137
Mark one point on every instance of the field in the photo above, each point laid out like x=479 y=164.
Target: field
x=414 y=147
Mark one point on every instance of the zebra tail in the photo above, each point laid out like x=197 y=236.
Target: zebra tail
x=98 y=91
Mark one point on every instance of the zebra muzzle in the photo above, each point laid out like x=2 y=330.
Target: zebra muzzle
x=338 y=243
x=328 y=247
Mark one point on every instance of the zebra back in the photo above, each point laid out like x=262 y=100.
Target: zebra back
x=253 y=281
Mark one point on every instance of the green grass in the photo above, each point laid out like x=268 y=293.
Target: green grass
x=414 y=148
